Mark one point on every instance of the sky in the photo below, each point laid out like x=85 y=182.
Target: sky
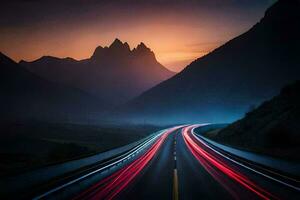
x=178 y=31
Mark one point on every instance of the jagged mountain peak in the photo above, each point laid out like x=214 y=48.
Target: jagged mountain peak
x=117 y=41
x=221 y=85
x=142 y=46
x=111 y=68
x=126 y=45
x=117 y=48
x=118 y=44
x=98 y=52
x=99 y=48
x=143 y=50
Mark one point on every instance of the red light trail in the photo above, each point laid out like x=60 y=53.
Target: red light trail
x=214 y=166
x=111 y=186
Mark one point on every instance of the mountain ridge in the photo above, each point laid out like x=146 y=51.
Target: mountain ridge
x=271 y=128
x=223 y=84
x=26 y=96
x=118 y=48
x=115 y=73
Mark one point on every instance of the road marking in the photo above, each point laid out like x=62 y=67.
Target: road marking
x=175 y=185
x=135 y=149
x=175 y=176
x=243 y=165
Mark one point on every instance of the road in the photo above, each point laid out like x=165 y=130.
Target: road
x=178 y=164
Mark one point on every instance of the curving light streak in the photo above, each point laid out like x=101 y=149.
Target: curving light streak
x=211 y=162
x=249 y=168
x=111 y=186
x=116 y=161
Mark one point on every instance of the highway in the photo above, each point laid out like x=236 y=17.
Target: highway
x=177 y=164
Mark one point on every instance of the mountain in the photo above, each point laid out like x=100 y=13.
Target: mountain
x=26 y=96
x=114 y=74
x=272 y=127
x=223 y=85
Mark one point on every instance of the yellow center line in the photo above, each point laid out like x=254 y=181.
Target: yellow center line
x=175 y=185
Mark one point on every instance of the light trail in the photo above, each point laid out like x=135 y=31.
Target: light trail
x=211 y=162
x=111 y=186
x=251 y=169
x=116 y=161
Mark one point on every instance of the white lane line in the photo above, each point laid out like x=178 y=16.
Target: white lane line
x=174 y=151
x=246 y=161
x=139 y=148
x=241 y=164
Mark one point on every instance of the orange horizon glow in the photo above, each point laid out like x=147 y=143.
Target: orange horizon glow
x=173 y=51
x=176 y=38
x=174 y=60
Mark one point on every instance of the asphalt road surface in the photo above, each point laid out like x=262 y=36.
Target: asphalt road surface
x=178 y=164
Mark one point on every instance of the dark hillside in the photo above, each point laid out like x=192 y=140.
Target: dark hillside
x=221 y=86
x=273 y=127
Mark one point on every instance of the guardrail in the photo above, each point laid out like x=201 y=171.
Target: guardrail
x=268 y=161
x=31 y=179
x=283 y=172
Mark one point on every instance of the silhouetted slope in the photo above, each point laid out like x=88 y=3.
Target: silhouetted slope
x=24 y=95
x=272 y=126
x=114 y=74
x=221 y=86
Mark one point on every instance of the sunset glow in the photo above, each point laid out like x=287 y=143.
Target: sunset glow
x=150 y=99
x=178 y=32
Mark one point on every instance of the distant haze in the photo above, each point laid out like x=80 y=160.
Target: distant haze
x=223 y=85
x=114 y=74
x=177 y=31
